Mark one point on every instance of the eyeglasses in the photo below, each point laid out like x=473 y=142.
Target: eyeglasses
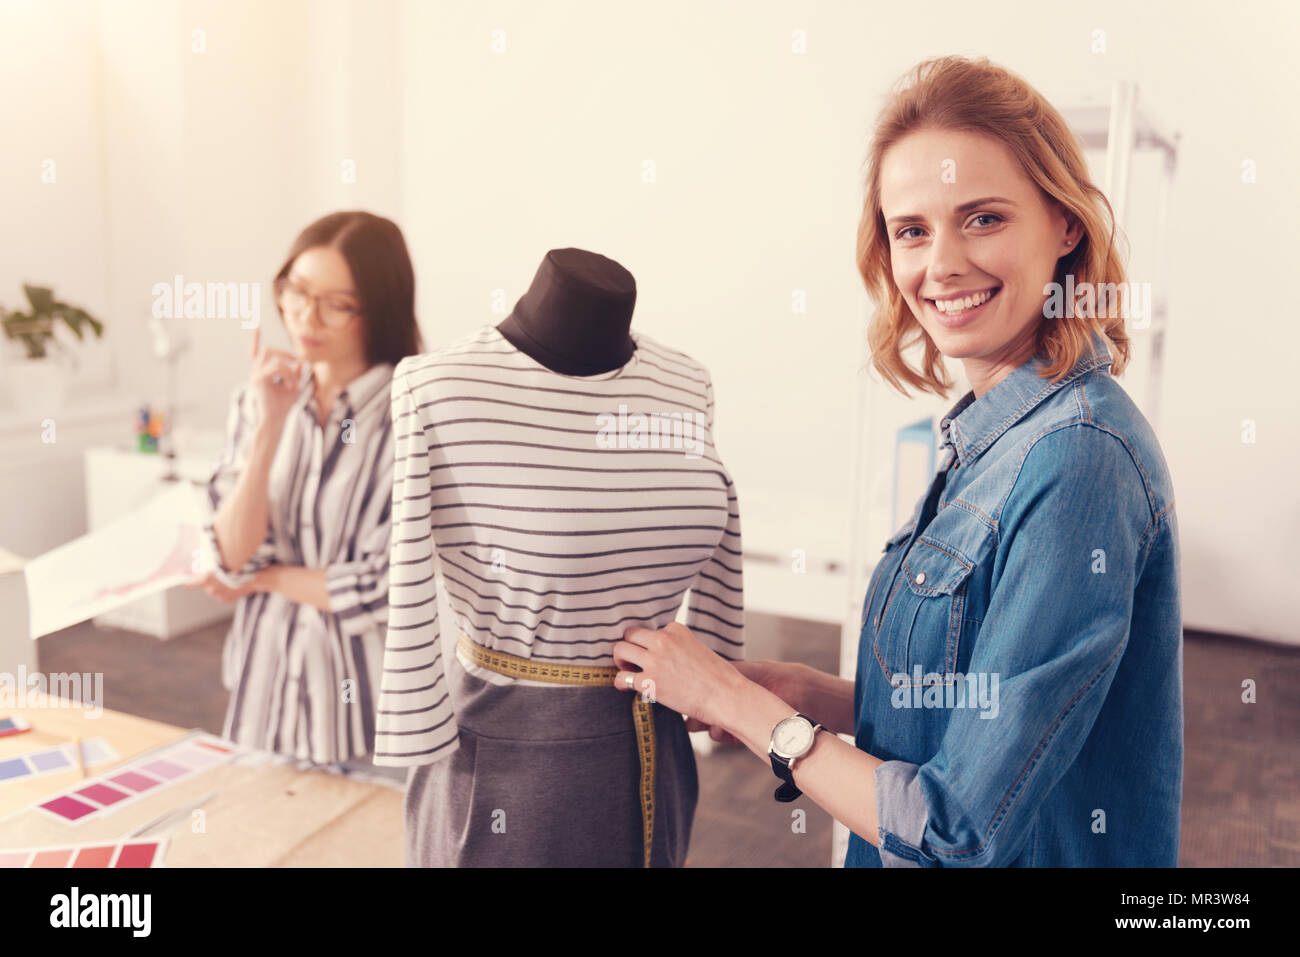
x=334 y=311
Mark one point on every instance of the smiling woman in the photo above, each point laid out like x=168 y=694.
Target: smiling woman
x=1040 y=570
x=978 y=188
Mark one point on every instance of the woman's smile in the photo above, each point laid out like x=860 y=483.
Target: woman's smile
x=955 y=311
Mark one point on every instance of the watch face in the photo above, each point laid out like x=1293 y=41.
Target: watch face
x=792 y=737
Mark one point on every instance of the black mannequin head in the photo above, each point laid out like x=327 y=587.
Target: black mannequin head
x=574 y=318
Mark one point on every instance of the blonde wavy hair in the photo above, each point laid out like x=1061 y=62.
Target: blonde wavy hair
x=960 y=94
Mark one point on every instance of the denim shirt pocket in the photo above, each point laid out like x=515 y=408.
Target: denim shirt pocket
x=921 y=621
x=898 y=538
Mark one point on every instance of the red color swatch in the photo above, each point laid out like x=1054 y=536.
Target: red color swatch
x=137 y=855
x=133 y=781
x=103 y=794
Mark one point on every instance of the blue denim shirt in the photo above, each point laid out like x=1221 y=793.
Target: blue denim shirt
x=1020 y=662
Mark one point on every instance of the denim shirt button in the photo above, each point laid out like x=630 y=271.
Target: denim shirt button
x=920 y=578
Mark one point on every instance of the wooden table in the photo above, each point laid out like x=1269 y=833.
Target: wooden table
x=269 y=816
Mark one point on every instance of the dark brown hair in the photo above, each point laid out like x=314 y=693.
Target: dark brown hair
x=381 y=269
x=954 y=93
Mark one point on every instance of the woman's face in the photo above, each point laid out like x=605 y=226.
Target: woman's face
x=962 y=220
x=329 y=328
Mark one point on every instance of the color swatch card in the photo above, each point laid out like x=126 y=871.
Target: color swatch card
x=61 y=757
x=145 y=775
x=12 y=724
x=143 y=852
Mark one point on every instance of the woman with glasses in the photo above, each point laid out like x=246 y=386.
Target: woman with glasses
x=300 y=525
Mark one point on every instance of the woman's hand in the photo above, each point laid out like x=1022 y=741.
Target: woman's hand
x=223 y=592
x=674 y=668
x=783 y=678
x=275 y=378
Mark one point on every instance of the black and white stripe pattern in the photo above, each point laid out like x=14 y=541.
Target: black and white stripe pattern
x=551 y=544
x=302 y=681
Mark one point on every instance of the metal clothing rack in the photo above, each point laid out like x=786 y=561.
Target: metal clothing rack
x=1122 y=129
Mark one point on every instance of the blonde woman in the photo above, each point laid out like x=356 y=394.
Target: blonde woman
x=1018 y=698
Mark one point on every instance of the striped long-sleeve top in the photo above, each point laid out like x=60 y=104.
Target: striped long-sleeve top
x=305 y=681
x=561 y=510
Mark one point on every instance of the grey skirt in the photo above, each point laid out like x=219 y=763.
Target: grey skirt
x=548 y=777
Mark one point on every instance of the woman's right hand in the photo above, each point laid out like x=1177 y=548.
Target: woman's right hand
x=783 y=678
x=277 y=397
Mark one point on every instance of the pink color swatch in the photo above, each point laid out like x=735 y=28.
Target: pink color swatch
x=165 y=769
x=57 y=858
x=133 y=781
x=103 y=794
x=68 y=807
x=144 y=852
x=147 y=776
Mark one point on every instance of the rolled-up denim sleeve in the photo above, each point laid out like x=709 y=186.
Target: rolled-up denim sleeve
x=1072 y=536
x=901 y=810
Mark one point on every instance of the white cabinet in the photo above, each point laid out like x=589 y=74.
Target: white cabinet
x=17 y=650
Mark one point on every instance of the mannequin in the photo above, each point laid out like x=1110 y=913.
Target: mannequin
x=575 y=317
x=551 y=542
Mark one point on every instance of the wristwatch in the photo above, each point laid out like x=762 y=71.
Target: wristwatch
x=792 y=738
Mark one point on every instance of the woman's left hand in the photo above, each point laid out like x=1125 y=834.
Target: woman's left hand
x=671 y=666
x=223 y=592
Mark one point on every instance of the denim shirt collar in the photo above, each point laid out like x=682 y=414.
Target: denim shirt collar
x=972 y=425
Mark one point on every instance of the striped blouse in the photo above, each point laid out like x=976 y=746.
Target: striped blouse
x=560 y=511
x=302 y=681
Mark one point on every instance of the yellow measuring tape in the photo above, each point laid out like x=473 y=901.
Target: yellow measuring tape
x=559 y=673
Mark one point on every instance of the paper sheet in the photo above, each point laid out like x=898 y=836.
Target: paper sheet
x=148 y=550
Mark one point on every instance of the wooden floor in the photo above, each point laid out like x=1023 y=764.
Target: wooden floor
x=1241 y=789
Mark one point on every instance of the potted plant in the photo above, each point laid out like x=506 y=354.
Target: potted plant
x=38 y=379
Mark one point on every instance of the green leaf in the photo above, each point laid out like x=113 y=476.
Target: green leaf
x=74 y=319
x=86 y=319
x=35 y=329
x=41 y=298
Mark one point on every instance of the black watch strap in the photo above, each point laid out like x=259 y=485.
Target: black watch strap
x=780 y=767
x=787 y=791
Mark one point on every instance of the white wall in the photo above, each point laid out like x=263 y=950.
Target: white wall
x=758 y=153
x=201 y=154
x=510 y=154
x=54 y=232
x=208 y=164
x=51 y=234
